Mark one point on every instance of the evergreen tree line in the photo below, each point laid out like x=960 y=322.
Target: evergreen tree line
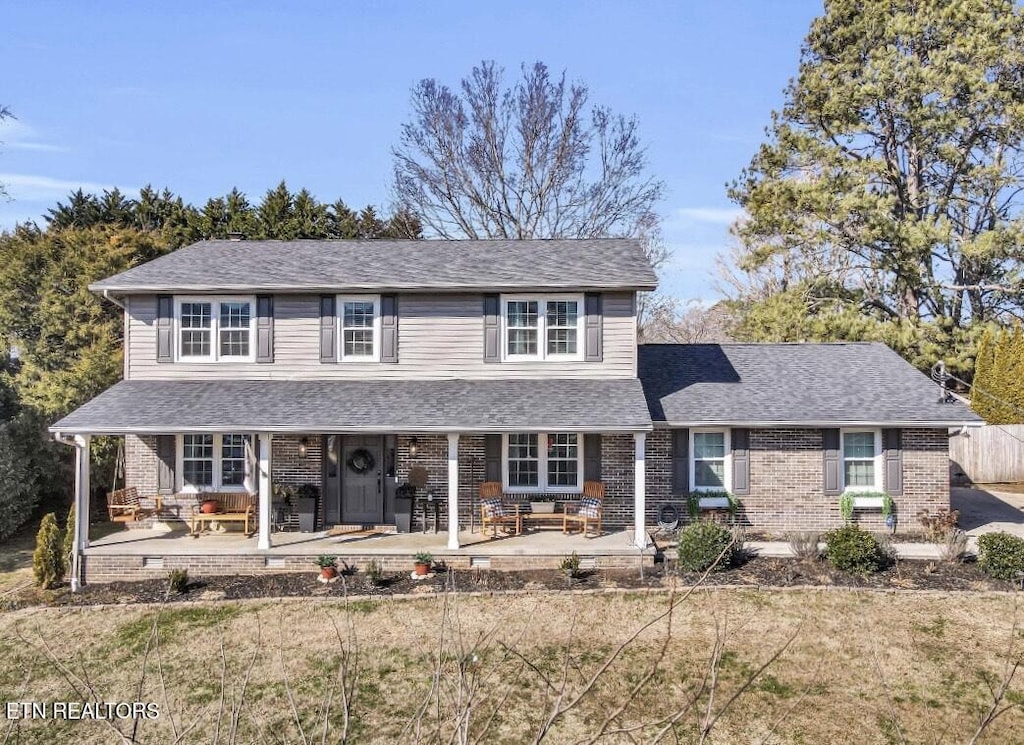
x=61 y=345
x=997 y=393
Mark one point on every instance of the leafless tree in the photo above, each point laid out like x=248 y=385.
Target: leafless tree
x=668 y=321
x=530 y=161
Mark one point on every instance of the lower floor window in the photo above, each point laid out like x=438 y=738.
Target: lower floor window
x=542 y=461
x=860 y=452
x=213 y=461
x=709 y=460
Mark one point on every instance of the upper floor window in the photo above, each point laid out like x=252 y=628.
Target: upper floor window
x=538 y=328
x=211 y=329
x=360 y=327
x=861 y=459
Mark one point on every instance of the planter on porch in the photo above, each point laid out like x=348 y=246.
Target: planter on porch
x=306 y=510
x=713 y=503
x=542 y=508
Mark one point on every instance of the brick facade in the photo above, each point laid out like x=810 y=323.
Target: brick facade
x=786 y=481
x=785 y=472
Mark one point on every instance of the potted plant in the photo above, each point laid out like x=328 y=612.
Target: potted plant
x=305 y=506
x=423 y=561
x=209 y=506
x=328 y=566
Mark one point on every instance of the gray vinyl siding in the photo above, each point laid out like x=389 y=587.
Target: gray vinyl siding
x=439 y=336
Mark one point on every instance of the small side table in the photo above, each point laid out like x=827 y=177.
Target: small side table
x=431 y=501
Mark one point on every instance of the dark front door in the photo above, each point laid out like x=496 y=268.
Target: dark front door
x=362 y=496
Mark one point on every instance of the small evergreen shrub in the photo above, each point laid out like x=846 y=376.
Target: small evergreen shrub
x=701 y=544
x=853 y=549
x=1001 y=555
x=177 y=580
x=48 y=559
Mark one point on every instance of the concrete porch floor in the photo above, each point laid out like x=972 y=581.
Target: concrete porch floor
x=177 y=542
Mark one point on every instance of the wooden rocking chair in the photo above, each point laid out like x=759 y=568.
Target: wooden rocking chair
x=494 y=512
x=590 y=511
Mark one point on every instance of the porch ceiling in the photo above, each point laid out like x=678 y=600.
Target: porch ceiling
x=170 y=406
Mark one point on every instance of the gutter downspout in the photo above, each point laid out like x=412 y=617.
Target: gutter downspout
x=111 y=298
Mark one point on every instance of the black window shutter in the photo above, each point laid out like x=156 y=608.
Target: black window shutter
x=492 y=458
x=830 y=453
x=264 y=328
x=680 y=461
x=740 y=441
x=165 y=452
x=593 y=328
x=892 y=447
x=592 y=457
x=492 y=329
x=164 y=328
x=389 y=328
x=328 y=330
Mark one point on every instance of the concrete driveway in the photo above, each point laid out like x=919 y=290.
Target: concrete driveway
x=989 y=510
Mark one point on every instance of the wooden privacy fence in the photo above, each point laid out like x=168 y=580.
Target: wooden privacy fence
x=991 y=454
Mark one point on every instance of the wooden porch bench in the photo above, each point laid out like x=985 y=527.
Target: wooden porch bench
x=232 y=507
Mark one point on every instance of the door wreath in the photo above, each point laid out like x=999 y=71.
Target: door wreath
x=360 y=461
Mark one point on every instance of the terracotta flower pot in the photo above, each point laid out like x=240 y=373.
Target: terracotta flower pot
x=422 y=570
x=210 y=506
x=328 y=572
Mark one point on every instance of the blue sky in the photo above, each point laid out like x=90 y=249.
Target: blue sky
x=201 y=97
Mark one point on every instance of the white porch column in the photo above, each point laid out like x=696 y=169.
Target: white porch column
x=80 y=540
x=265 y=495
x=639 y=490
x=453 y=491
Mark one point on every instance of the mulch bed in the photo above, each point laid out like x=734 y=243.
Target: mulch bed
x=759 y=572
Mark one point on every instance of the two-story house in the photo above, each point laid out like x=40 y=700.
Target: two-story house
x=344 y=364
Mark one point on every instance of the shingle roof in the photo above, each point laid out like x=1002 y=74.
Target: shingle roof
x=135 y=406
x=219 y=266
x=800 y=384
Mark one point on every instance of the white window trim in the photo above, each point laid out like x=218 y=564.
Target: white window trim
x=214 y=301
x=542 y=331
x=340 y=301
x=542 y=466
x=879 y=485
x=727 y=461
x=218 y=441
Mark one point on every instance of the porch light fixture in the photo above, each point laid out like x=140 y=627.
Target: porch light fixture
x=303 y=447
x=413 y=446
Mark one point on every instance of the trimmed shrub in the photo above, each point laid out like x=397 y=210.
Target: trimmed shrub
x=853 y=549
x=701 y=544
x=1001 y=555
x=48 y=559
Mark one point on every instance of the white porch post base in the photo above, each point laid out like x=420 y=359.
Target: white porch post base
x=453 y=491
x=80 y=540
x=639 y=490
x=265 y=496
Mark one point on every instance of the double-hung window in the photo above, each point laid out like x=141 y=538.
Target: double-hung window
x=544 y=462
x=359 y=319
x=212 y=329
x=709 y=462
x=542 y=328
x=861 y=456
x=214 y=461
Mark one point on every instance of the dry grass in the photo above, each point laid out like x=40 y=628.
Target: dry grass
x=863 y=667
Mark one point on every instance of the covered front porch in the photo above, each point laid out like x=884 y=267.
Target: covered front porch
x=448 y=431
